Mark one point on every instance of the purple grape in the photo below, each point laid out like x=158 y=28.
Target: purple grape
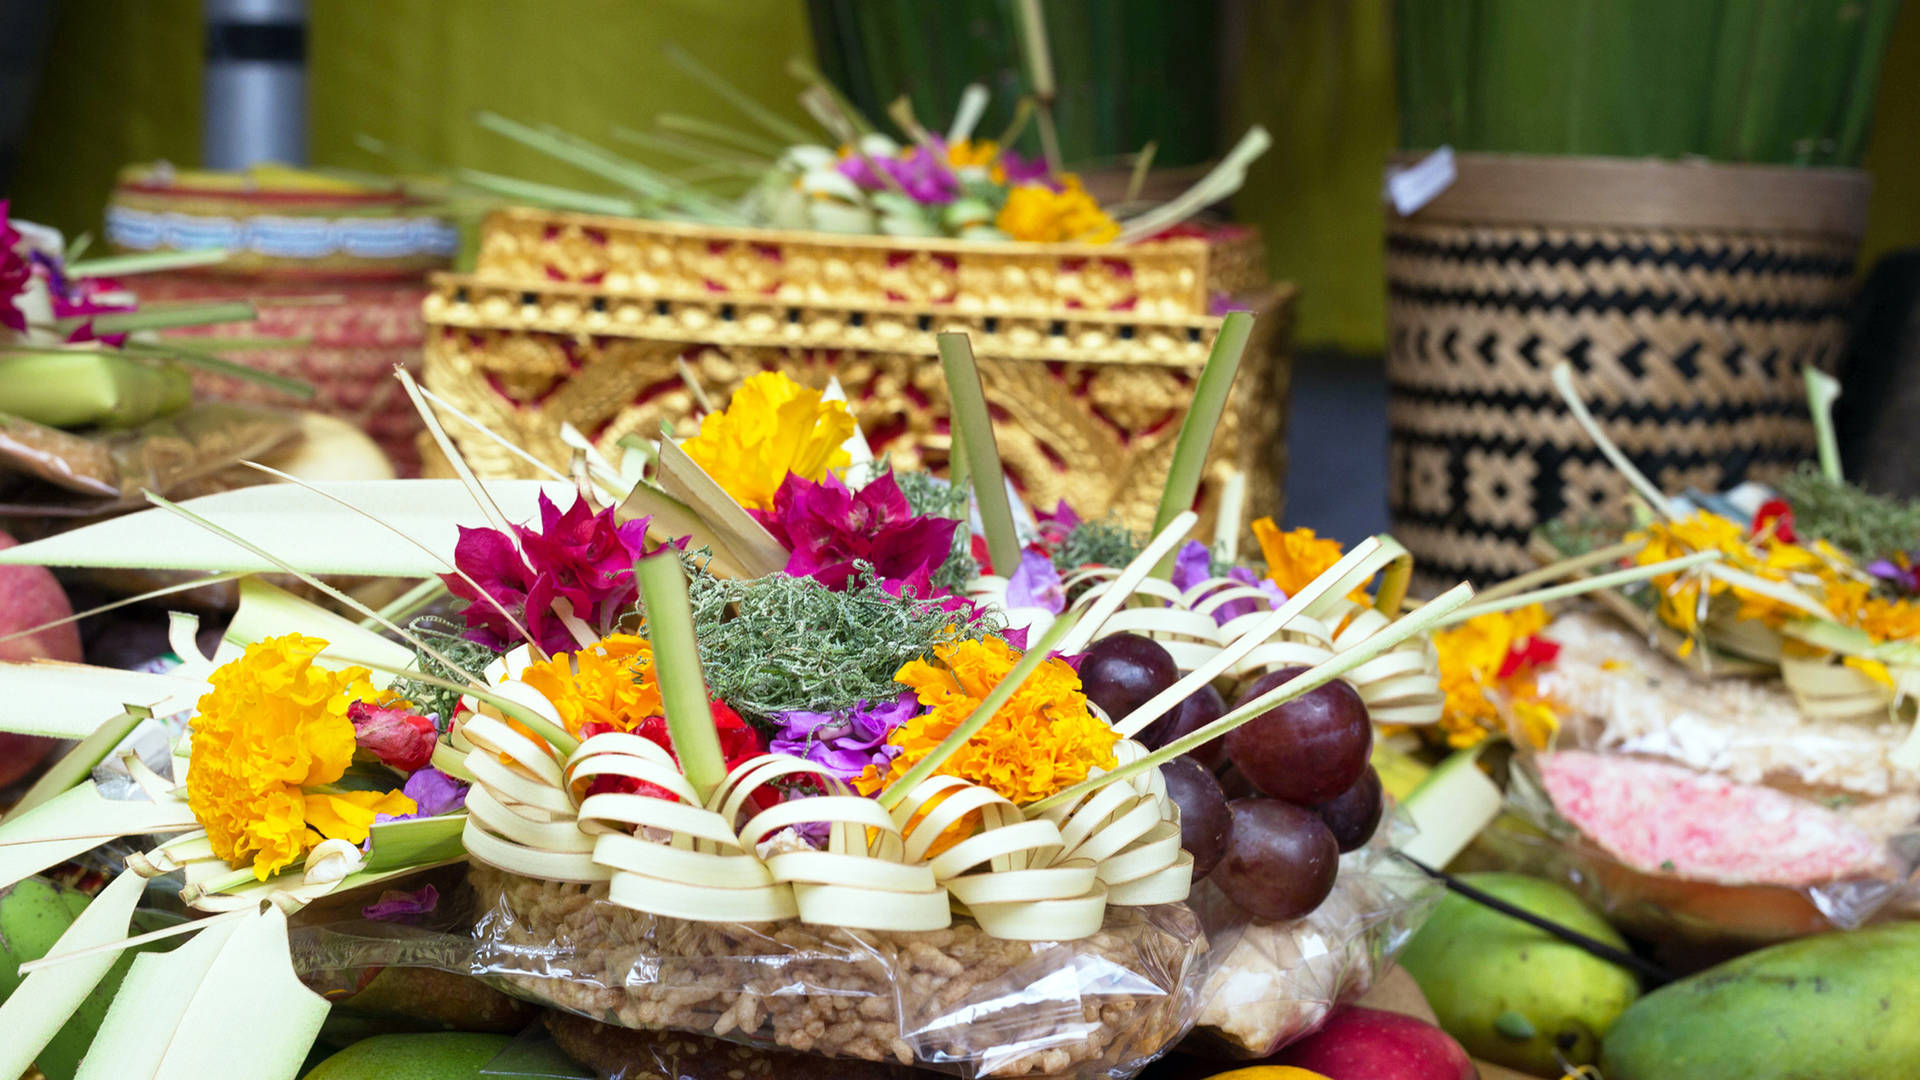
x=1202 y=707
x=1122 y=671
x=1281 y=859
x=1205 y=820
x=1354 y=814
x=1307 y=750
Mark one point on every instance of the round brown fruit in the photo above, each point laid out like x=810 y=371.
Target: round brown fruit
x=1281 y=859
x=1354 y=814
x=1306 y=750
x=1205 y=820
x=1121 y=671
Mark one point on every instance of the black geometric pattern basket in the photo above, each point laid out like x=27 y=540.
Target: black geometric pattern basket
x=1687 y=344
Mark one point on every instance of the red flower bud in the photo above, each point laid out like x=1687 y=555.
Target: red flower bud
x=396 y=736
x=1777 y=513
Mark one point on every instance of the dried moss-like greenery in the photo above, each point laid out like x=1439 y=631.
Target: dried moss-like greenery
x=780 y=643
x=1107 y=543
x=1863 y=524
x=445 y=636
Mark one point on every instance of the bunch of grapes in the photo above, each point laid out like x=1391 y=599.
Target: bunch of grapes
x=1307 y=792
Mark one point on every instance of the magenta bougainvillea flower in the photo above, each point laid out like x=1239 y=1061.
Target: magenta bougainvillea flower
x=1057 y=524
x=925 y=178
x=582 y=557
x=15 y=271
x=829 y=528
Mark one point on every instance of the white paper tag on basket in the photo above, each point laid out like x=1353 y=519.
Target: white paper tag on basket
x=1411 y=187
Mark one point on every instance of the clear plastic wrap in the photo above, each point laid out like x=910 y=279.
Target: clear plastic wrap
x=1271 y=983
x=876 y=1004
x=953 y=999
x=1711 y=898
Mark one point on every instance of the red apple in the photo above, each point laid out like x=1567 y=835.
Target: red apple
x=29 y=597
x=1368 y=1044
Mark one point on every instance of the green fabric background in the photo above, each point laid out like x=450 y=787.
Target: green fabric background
x=122 y=85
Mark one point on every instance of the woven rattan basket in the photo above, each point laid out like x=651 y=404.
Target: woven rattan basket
x=1088 y=354
x=1687 y=297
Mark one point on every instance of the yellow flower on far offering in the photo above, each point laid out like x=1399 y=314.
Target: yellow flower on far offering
x=1296 y=557
x=772 y=427
x=1485 y=663
x=972 y=153
x=273 y=728
x=1038 y=213
x=609 y=686
x=1042 y=740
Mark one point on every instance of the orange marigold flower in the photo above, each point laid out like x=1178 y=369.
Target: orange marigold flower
x=1296 y=557
x=609 y=686
x=1472 y=657
x=275 y=724
x=1043 y=739
x=1038 y=213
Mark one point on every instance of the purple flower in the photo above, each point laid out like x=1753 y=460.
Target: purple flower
x=845 y=742
x=582 y=557
x=1194 y=565
x=397 y=906
x=925 y=178
x=433 y=793
x=1036 y=584
x=1907 y=577
x=1054 y=526
x=828 y=528
x=1023 y=170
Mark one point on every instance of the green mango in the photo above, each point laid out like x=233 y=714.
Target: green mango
x=1840 y=1006
x=441 y=1055
x=33 y=915
x=1513 y=994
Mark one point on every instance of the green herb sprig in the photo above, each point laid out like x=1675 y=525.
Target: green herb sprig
x=1863 y=524
x=781 y=643
x=445 y=636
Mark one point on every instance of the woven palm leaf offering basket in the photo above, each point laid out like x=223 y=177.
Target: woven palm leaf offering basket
x=612 y=315
x=1688 y=297
x=739 y=738
x=1723 y=753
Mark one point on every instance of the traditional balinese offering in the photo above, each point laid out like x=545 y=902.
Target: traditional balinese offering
x=845 y=262
x=96 y=387
x=748 y=736
x=1727 y=748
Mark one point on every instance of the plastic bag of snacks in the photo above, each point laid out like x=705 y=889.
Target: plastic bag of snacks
x=1269 y=983
x=957 y=999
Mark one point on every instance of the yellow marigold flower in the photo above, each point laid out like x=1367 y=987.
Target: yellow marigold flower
x=273 y=725
x=772 y=427
x=1043 y=739
x=1872 y=669
x=1038 y=213
x=971 y=153
x=610 y=685
x=1854 y=603
x=348 y=815
x=1294 y=558
x=1686 y=598
x=1472 y=656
